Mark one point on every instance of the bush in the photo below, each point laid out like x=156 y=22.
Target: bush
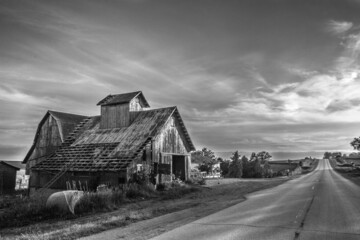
x=93 y=201
x=202 y=181
x=190 y=182
x=140 y=191
x=161 y=187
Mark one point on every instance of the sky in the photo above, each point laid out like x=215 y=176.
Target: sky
x=249 y=75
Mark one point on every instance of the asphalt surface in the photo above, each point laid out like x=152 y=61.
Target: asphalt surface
x=319 y=205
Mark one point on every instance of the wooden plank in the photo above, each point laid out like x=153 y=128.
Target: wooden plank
x=176 y=154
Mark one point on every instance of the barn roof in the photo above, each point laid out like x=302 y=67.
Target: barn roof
x=95 y=149
x=15 y=164
x=66 y=123
x=124 y=98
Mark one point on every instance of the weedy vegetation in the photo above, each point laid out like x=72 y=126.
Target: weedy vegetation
x=24 y=211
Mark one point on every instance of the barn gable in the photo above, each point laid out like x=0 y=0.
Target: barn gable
x=50 y=134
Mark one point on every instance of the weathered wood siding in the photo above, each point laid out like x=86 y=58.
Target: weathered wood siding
x=115 y=116
x=119 y=115
x=170 y=141
x=89 y=179
x=135 y=105
x=7 y=178
x=48 y=141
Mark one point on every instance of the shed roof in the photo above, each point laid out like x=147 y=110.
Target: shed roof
x=95 y=149
x=123 y=98
x=15 y=164
x=66 y=123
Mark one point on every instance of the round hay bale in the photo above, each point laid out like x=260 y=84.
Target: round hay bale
x=65 y=200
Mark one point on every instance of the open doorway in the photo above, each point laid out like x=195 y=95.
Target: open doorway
x=179 y=167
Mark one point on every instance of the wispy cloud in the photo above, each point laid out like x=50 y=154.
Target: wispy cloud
x=338 y=27
x=10 y=94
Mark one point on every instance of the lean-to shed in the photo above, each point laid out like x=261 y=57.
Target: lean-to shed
x=109 y=149
x=8 y=171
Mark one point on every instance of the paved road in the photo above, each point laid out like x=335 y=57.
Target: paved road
x=320 y=205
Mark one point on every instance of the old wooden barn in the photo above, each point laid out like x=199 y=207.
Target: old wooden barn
x=109 y=149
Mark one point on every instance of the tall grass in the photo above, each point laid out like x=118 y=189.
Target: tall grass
x=109 y=200
x=134 y=191
x=29 y=210
x=94 y=201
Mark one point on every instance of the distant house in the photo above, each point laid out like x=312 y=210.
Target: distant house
x=109 y=149
x=8 y=170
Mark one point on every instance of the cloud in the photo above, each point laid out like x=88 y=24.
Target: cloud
x=338 y=27
x=298 y=70
x=342 y=105
x=353 y=45
x=320 y=96
x=11 y=152
x=226 y=78
x=10 y=94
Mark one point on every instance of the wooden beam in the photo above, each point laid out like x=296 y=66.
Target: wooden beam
x=176 y=154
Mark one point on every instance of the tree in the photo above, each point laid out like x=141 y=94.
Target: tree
x=267 y=171
x=257 y=168
x=235 y=167
x=224 y=167
x=205 y=158
x=263 y=156
x=253 y=156
x=327 y=155
x=247 y=171
x=355 y=143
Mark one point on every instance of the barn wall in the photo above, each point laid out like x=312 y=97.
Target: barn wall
x=47 y=142
x=135 y=105
x=115 y=116
x=170 y=141
x=119 y=115
x=89 y=179
x=7 y=178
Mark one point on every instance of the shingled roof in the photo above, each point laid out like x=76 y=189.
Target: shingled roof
x=95 y=149
x=124 y=98
x=15 y=164
x=66 y=123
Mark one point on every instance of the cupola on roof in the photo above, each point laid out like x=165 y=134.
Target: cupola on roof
x=124 y=98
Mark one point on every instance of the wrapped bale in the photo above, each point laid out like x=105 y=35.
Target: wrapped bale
x=65 y=200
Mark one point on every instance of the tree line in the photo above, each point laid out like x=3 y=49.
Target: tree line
x=256 y=166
